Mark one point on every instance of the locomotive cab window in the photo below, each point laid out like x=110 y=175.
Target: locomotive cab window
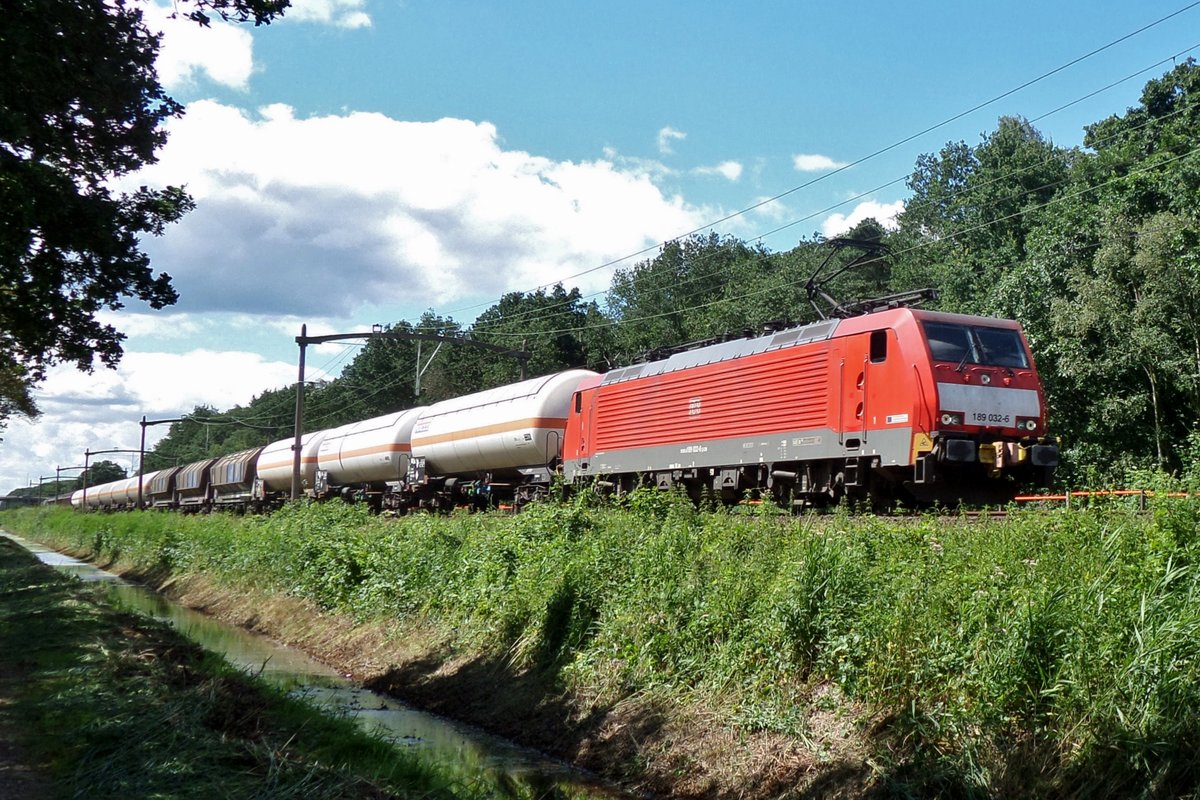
x=975 y=344
x=878 y=346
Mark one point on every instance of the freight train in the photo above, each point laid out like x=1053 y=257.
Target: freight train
x=900 y=405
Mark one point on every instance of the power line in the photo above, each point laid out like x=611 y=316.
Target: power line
x=868 y=157
x=914 y=248
x=712 y=255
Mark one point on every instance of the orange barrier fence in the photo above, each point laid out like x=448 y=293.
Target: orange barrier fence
x=1069 y=496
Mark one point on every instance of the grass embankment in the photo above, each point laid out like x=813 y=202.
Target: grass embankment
x=1050 y=654
x=104 y=704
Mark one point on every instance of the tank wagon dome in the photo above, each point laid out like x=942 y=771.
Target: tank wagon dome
x=277 y=461
x=375 y=450
x=498 y=430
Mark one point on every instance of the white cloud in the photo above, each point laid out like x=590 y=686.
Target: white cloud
x=806 y=162
x=884 y=213
x=666 y=136
x=223 y=52
x=320 y=216
x=342 y=13
x=729 y=170
x=650 y=168
x=103 y=410
x=158 y=325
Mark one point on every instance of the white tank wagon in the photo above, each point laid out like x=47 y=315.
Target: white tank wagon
x=114 y=495
x=503 y=441
x=366 y=459
x=276 y=464
x=98 y=496
x=131 y=500
x=231 y=479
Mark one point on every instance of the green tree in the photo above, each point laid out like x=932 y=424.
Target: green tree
x=557 y=328
x=102 y=472
x=693 y=289
x=973 y=209
x=80 y=106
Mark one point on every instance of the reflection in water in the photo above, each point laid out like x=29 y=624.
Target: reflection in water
x=472 y=754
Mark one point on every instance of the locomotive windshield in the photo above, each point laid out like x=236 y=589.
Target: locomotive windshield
x=975 y=344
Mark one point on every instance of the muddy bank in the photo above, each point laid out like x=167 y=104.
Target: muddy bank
x=685 y=749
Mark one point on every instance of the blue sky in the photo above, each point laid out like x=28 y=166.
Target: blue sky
x=360 y=161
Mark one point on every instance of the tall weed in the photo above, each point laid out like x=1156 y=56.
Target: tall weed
x=1071 y=635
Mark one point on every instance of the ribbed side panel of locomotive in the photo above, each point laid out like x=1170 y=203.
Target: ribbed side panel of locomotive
x=739 y=417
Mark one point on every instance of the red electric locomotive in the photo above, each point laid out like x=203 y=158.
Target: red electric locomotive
x=903 y=404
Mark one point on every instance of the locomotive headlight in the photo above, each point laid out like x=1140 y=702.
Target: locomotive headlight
x=951 y=418
x=1027 y=424
x=985 y=379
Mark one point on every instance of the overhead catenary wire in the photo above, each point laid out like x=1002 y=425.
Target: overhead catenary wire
x=998 y=179
x=862 y=159
x=861 y=195
x=921 y=245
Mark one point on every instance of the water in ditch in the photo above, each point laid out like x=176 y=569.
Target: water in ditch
x=471 y=753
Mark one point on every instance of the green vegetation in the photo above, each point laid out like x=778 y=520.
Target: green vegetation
x=109 y=705
x=1053 y=653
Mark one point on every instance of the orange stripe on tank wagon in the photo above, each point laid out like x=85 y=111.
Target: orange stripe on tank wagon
x=370 y=451
x=556 y=423
x=288 y=463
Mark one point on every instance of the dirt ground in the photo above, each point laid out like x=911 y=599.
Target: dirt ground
x=688 y=750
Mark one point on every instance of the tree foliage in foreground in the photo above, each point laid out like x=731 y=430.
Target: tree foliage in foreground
x=81 y=108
